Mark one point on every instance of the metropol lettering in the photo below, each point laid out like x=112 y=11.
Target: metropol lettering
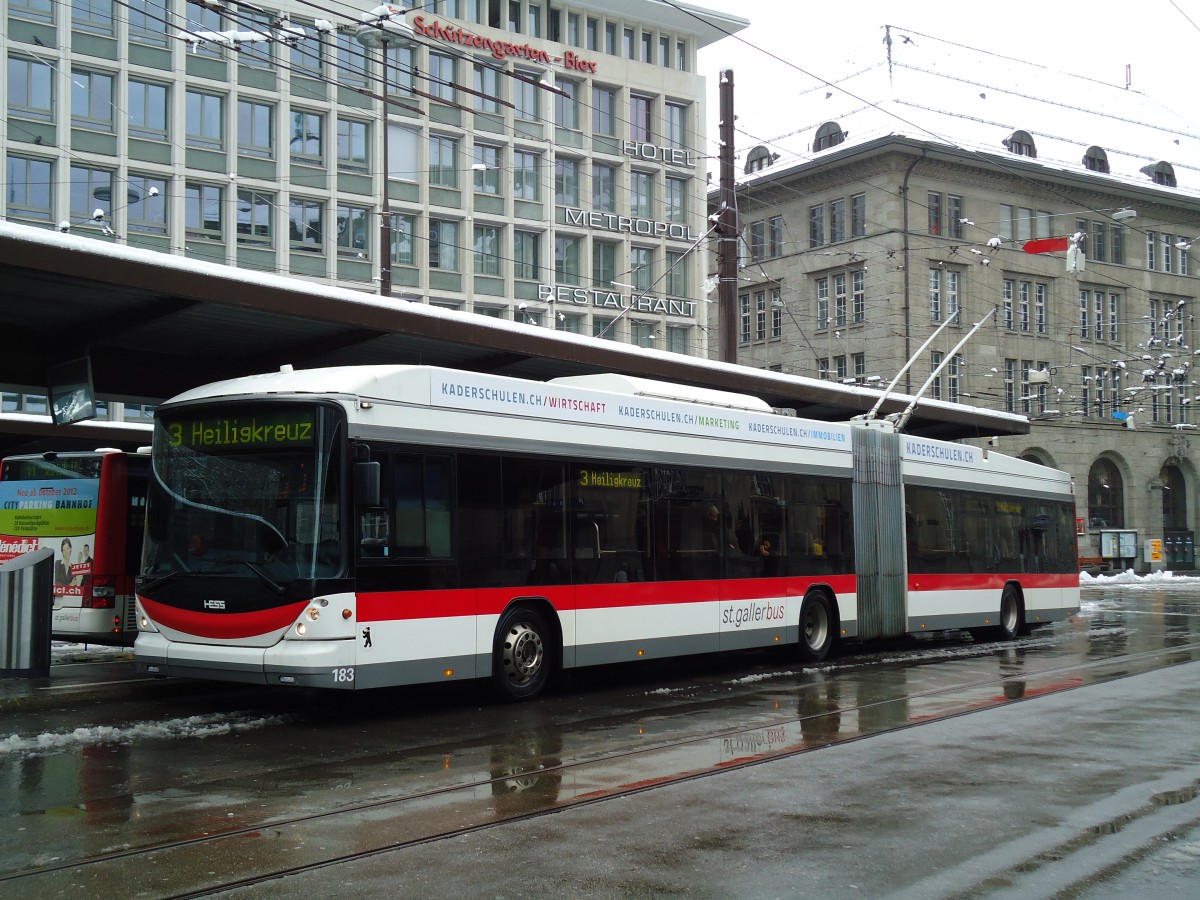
x=580 y=296
x=630 y=224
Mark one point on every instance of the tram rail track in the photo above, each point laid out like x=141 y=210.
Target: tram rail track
x=287 y=847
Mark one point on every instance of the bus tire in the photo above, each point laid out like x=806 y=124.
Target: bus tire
x=1012 y=614
x=817 y=626
x=521 y=656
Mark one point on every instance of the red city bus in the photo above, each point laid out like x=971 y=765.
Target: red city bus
x=90 y=509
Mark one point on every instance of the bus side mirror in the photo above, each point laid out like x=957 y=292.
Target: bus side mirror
x=366 y=484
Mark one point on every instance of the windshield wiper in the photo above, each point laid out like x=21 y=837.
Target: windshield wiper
x=275 y=587
x=150 y=585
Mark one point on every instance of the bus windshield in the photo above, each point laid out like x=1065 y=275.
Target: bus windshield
x=245 y=489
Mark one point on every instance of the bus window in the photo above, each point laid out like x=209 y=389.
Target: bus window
x=421 y=500
x=609 y=523
x=760 y=526
x=535 y=530
x=690 y=524
x=821 y=538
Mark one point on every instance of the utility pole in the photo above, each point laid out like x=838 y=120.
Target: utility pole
x=727 y=222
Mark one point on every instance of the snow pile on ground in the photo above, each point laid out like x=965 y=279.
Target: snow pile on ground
x=201 y=726
x=1129 y=577
x=62 y=652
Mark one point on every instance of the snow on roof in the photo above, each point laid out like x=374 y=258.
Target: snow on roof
x=932 y=90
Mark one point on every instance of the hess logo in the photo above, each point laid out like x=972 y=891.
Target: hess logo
x=214 y=604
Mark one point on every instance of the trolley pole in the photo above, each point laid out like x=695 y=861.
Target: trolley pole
x=727 y=221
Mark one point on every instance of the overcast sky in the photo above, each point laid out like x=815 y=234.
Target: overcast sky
x=1159 y=39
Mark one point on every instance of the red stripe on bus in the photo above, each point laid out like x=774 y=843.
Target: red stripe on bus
x=223 y=626
x=991 y=581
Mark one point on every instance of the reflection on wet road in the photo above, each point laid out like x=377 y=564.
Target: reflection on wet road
x=307 y=778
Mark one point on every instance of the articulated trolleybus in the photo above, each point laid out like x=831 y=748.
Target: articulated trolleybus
x=360 y=527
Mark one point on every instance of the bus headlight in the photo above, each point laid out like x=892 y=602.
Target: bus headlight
x=301 y=628
x=314 y=613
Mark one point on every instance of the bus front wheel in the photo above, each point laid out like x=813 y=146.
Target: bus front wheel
x=816 y=627
x=1012 y=614
x=521 y=656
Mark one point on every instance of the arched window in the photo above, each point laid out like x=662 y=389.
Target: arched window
x=828 y=135
x=1106 y=496
x=1021 y=143
x=1034 y=457
x=1161 y=173
x=759 y=158
x=1096 y=160
x=1174 y=501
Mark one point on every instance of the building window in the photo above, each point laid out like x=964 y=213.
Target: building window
x=30 y=89
x=677 y=273
x=758 y=239
x=744 y=314
x=525 y=175
x=641 y=194
x=90 y=189
x=91 y=100
x=1151 y=250
x=487 y=169
x=604 y=264
x=676 y=126
x=677 y=338
x=441 y=77
x=1010 y=385
x=1161 y=173
x=858 y=215
x=350 y=66
x=828 y=135
x=823 y=367
x=307 y=144
x=147 y=110
x=527 y=255
x=858 y=295
x=604 y=105
x=760 y=315
x=148 y=21
x=822 y=303
x=202 y=212
x=92 y=15
x=839 y=300
x=443 y=245
x=676 y=200
x=307 y=224
x=353 y=145
x=487 y=250
x=1024 y=305
x=254 y=135
x=604 y=188
x=204 y=120
x=525 y=95
x=566 y=259
x=1106 y=503
x=353 y=223
x=487 y=88
x=935 y=295
x=641 y=264
x=954 y=216
x=776 y=313
x=1096 y=160
x=935 y=213
x=404 y=230
x=1039 y=307
x=816 y=225
x=28 y=187
x=307 y=56
x=1021 y=144
x=641 y=119
x=255 y=212
x=775 y=236
x=837 y=221
x=147 y=210
x=566 y=105
x=443 y=161
x=566 y=182
x=401 y=63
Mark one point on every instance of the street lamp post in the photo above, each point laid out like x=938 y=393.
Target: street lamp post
x=382 y=26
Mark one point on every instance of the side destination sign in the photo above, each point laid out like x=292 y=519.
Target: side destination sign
x=564 y=404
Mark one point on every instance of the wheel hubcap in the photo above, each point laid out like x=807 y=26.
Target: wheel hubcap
x=816 y=626
x=523 y=654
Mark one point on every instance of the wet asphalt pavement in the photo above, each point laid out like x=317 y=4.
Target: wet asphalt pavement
x=907 y=772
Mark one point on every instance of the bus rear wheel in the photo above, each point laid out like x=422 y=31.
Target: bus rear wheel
x=521 y=655
x=1012 y=615
x=816 y=627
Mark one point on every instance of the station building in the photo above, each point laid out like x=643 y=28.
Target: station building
x=911 y=195
x=545 y=160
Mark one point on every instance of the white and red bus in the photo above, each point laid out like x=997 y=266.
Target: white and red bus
x=89 y=507
x=368 y=526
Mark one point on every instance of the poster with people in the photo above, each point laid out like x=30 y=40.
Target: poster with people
x=55 y=513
